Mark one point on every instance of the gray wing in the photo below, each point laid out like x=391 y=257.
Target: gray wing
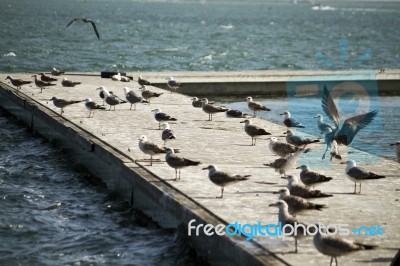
x=309 y=178
x=253 y=130
x=283 y=149
x=164 y=117
x=167 y=134
x=153 y=148
x=329 y=107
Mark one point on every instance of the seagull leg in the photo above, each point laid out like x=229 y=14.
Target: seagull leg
x=159 y=125
x=222 y=193
x=151 y=160
x=336 y=261
x=176 y=174
x=131 y=107
x=355 y=187
x=295 y=245
x=254 y=114
x=331 y=261
x=360 y=189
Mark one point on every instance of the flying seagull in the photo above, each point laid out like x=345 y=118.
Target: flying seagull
x=92 y=106
x=334 y=246
x=282 y=165
x=223 y=179
x=86 y=20
x=351 y=126
x=61 y=103
x=17 y=82
x=177 y=162
x=253 y=131
x=291 y=122
x=255 y=106
x=358 y=175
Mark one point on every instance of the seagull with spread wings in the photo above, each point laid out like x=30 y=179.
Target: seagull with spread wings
x=351 y=126
x=86 y=20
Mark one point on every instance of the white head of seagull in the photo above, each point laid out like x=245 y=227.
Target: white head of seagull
x=249 y=99
x=293 y=180
x=157 y=110
x=350 y=164
x=165 y=125
x=126 y=90
x=286 y=114
x=319 y=117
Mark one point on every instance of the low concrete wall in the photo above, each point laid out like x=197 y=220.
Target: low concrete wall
x=145 y=191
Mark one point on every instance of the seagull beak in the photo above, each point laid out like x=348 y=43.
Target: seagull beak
x=342 y=162
x=205 y=168
x=283 y=177
x=392 y=144
x=284 y=133
x=272 y=205
x=275 y=192
x=242 y=122
x=315 y=116
x=281 y=114
x=298 y=167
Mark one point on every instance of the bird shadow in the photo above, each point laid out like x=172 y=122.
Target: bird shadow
x=243 y=145
x=377 y=260
x=286 y=252
x=347 y=193
x=265 y=183
x=157 y=129
x=203 y=197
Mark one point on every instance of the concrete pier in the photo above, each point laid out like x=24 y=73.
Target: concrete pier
x=101 y=144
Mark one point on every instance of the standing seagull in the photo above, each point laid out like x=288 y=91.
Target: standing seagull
x=133 y=98
x=150 y=148
x=196 y=102
x=173 y=84
x=68 y=83
x=167 y=134
x=358 y=175
x=297 y=204
x=211 y=109
x=42 y=84
x=322 y=125
x=282 y=165
x=223 y=179
x=143 y=82
x=86 y=20
x=302 y=191
x=311 y=179
x=177 y=162
x=61 y=103
x=334 y=246
x=162 y=117
x=397 y=144
x=297 y=140
x=255 y=106
x=290 y=122
x=18 y=82
x=286 y=219
x=253 y=131
x=92 y=106
x=351 y=126
x=282 y=149
x=147 y=94
x=110 y=98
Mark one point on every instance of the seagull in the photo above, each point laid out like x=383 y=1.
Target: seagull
x=321 y=125
x=143 y=82
x=358 y=175
x=173 y=84
x=298 y=140
x=334 y=246
x=42 y=84
x=351 y=126
x=290 y=122
x=255 y=106
x=92 y=106
x=282 y=149
x=331 y=144
x=162 y=117
x=147 y=94
x=196 y=102
x=151 y=148
x=133 y=98
x=61 y=103
x=397 y=144
x=177 y=162
x=17 y=82
x=56 y=72
x=110 y=98
x=300 y=190
x=253 y=131
x=286 y=219
x=223 y=179
x=86 y=20
x=211 y=109
x=311 y=179
x=236 y=114
x=297 y=204
x=167 y=134
x=116 y=77
x=282 y=165
x=46 y=78
x=68 y=83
